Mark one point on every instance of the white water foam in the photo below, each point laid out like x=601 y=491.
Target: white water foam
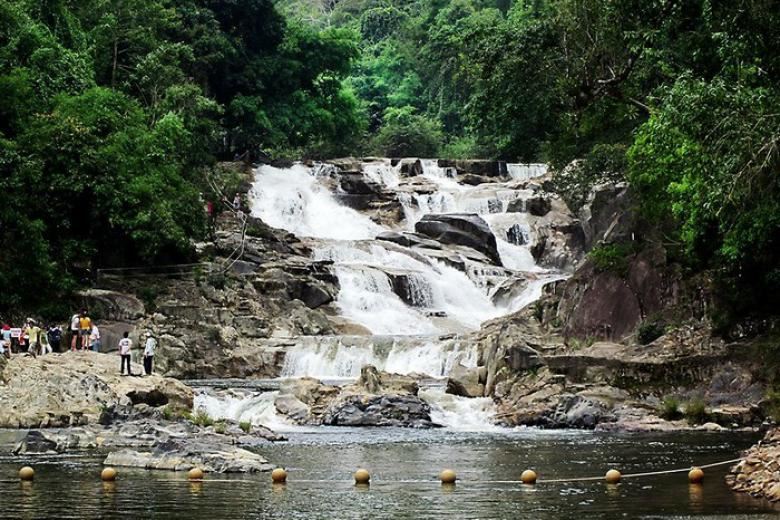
x=256 y=408
x=294 y=200
x=472 y=414
x=522 y=172
x=367 y=297
x=343 y=357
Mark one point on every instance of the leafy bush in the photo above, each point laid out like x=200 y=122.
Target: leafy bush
x=220 y=427
x=696 y=411
x=670 y=409
x=246 y=426
x=649 y=332
x=612 y=258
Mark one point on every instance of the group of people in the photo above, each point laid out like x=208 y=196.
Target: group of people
x=34 y=340
x=30 y=339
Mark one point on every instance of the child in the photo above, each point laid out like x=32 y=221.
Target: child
x=125 y=344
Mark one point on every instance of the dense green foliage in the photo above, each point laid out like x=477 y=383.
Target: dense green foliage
x=113 y=110
x=681 y=97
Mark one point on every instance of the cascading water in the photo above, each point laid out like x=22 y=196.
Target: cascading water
x=406 y=296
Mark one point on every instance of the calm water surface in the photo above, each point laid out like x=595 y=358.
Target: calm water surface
x=404 y=465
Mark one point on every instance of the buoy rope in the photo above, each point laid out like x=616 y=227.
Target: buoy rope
x=418 y=481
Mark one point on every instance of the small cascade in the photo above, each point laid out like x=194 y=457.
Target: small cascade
x=375 y=277
x=337 y=357
x=471 y=414
x=256 y=408
x=294 y=200
x=524 y=172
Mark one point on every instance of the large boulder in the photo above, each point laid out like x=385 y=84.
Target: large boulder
x=410 y=167
x=758 y=473
x=380 y=410
x=608 y=214
x=463 y=229
x=466 y=382
x=183 y=455
x=357 y=184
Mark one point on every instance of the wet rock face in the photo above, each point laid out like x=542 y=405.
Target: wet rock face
x=463 y=229
x=384 y=410
x=607 y=214
x=606 y=304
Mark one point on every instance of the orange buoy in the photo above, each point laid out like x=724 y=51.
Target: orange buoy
x=613 y=476
x=528 y=477
x=27 y=473
x=279 y=476
x=195 y=474
x=448 y=476
x=695 y=476
x=362 y=476
x=108 y=475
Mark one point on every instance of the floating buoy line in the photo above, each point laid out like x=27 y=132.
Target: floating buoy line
x=447 y=477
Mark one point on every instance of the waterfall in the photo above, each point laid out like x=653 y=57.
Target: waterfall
x=342 y=357
x=523 y=172
x=256 y=408
x=293 y=199
x=410 y=298
x=473 y=414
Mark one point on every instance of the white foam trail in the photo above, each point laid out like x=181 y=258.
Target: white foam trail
x=533 y=292
x=255 y=408
x=293 y=199
x=472 y=414
x=367 y=297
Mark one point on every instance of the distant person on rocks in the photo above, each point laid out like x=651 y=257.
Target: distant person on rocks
x=43 y=343
x=5 y=347
x=237 y=202
x=94 y=339
x=6 y=337
x=33 y=333
x=74 y=331
x=55 y=337
x=125 y=344
x=85 y=329
x=149 y=347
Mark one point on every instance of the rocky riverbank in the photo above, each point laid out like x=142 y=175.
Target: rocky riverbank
x=77 y=401
x=758 y=474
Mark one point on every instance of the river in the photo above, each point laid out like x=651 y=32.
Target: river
x=404 y=465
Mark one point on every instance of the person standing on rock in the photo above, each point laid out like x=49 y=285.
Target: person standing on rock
x=55 y=337
x=125 y=344
x=85 y=329
x=74 y=331
x=33 y=332
x=149 y=347
x=94 y=339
